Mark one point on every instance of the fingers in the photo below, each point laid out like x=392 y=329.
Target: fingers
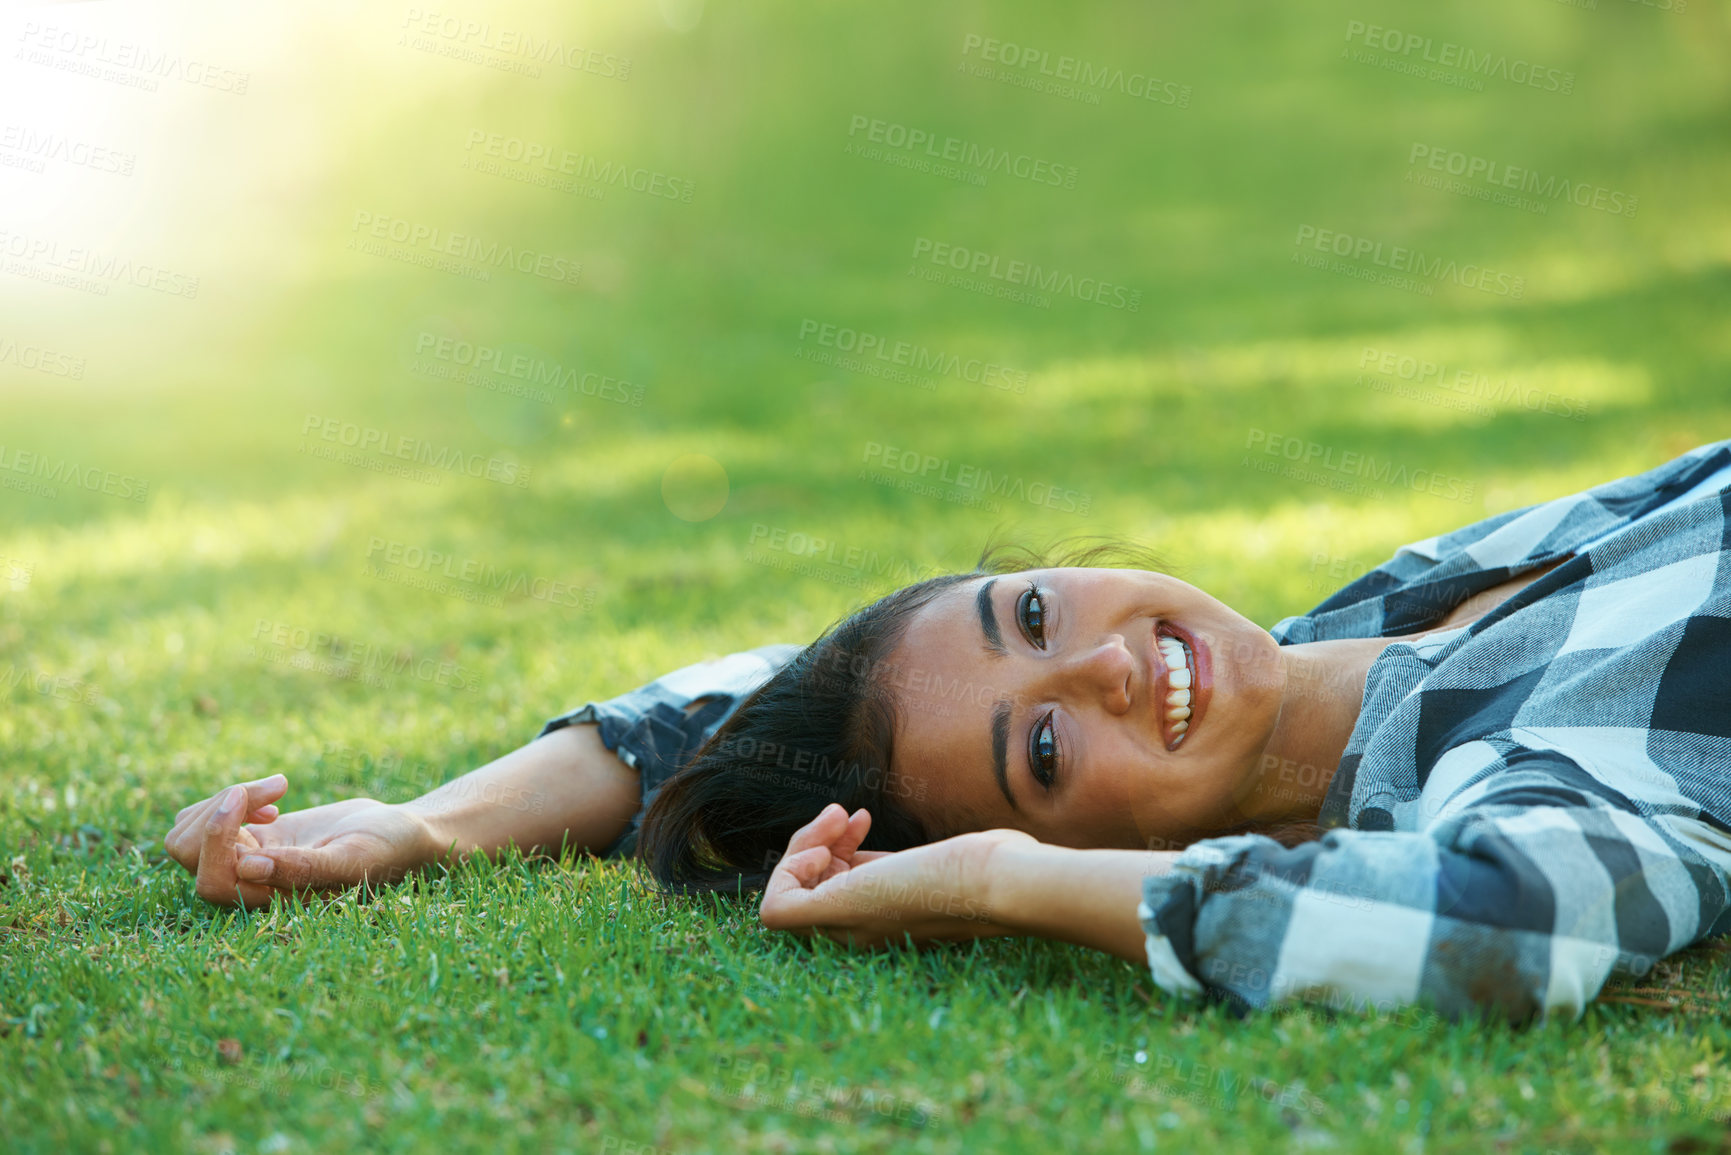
x=259 y=790
x=859 y=824
x=834 y=829
x=799 y=871
x=216 y=877
x=823 y=830
x=787 y=896
x=291 y=868
x=183 y=841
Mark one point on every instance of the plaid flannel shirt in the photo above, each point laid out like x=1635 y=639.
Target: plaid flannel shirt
x=657 y=727
x=1528 y=804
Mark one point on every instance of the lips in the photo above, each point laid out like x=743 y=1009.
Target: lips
x=1187 y=653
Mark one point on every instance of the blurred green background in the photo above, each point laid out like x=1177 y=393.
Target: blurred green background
x=446 y=441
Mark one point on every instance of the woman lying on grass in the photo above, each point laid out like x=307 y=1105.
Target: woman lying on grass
x=1488 y=774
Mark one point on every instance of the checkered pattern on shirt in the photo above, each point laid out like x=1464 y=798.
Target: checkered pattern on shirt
x=1527 y=805
x=655 y=731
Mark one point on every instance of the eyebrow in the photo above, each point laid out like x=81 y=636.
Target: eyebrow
x=989 y=620
x=1000 y=749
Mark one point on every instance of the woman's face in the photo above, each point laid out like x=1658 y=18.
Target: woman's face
x=1053 y=701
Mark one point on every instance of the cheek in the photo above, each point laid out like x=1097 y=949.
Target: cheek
x=1132 y=798
x=957 y=801
x=1168 y=805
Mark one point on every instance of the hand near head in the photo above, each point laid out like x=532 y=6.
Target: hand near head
x=827 y=885
x=323 y=848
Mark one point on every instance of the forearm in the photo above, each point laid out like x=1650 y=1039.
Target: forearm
x=1087 y=897
x=565 y=787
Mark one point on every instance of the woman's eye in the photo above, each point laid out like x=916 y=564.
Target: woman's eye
x=1043 y=752
x=1031 y=612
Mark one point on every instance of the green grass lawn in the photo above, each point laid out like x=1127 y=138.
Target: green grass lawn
x=154 y=650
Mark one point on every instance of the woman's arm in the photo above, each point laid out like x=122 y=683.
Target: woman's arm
x=563 y=789
x=994 y=882
x=1087 y=897
x=567 y=789
x=1522 y=904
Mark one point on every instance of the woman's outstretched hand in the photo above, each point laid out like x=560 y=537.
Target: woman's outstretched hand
x=328 y=847
x=825 y=884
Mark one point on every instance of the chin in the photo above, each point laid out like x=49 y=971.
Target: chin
x=1199 y=790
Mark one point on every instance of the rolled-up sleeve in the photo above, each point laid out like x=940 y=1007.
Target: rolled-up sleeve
x=656 y=728
x=1524 y=908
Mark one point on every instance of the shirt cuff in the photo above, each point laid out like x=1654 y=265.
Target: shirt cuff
x=1170 y=973
x=1169 y=919
x=1170 y=903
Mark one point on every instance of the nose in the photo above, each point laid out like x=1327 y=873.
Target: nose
x=1104 y=671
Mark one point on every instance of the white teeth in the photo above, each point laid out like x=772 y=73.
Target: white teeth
x=1178 y=680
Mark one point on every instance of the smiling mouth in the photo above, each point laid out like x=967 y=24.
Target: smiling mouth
x=1181 y=684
